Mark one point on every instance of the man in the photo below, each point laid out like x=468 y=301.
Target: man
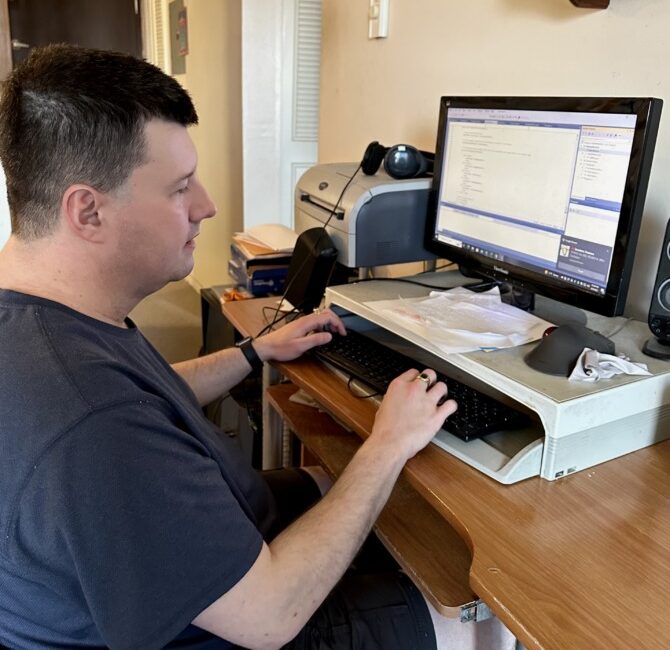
x=126 y=521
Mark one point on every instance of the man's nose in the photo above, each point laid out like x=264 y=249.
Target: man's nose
x=202 y=207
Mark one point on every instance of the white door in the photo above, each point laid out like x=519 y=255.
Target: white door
x=281 y=48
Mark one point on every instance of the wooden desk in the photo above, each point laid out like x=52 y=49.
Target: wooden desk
x=579 y=563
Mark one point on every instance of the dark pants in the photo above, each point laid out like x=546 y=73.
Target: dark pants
x=374 y=606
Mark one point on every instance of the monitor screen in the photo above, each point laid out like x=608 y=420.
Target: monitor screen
x=544 y=193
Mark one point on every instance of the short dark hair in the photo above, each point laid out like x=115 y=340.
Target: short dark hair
x=76 y=115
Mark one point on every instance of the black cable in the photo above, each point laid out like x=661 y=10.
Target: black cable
x=218 y=409
x=269 y=326
x=476 y=286
x=293 y=312
x=323 y=231
x=619 y=328
x=265 y=316
x=439 y=268
x=473 y=287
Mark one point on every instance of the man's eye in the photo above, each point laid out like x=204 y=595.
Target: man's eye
x=182 y=190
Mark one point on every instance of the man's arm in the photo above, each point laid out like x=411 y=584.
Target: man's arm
x=215 y=374
x=294 y=574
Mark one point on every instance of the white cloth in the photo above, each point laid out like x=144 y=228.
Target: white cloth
x=593 y=365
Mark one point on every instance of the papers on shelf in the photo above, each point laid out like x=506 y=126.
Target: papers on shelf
x=461 y=321
x=259 y=258
x=267 y=239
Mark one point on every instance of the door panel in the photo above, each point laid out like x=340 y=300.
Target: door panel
x=281 y=49
x=102 y=24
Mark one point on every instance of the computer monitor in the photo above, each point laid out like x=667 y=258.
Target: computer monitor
x=545 y=193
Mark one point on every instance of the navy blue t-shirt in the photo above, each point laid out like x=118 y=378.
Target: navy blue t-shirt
x=123 y=512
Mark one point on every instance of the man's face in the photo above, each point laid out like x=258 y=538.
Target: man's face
x=159 y=209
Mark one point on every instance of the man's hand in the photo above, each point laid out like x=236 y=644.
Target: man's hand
x=412 y=412
x=212 y=375
x=291 y=340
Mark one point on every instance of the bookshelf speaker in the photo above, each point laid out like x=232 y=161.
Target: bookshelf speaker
x=309 y=270
x=659 y=309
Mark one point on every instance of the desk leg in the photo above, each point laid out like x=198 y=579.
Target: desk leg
x=274 y=432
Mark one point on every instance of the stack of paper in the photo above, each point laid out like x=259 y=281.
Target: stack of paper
x=259 y=258
x=268 y=239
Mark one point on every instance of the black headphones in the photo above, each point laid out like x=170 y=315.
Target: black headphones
x=400 y=160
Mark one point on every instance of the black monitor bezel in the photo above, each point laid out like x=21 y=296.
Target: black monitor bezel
x=612 y=303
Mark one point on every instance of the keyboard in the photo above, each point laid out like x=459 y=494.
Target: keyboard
x=376 y=365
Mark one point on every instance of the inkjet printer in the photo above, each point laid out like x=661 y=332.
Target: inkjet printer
x=379 y=220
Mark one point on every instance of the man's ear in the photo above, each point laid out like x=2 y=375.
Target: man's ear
x=81 y=208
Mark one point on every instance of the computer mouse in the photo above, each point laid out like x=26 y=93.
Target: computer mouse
x=557 y=353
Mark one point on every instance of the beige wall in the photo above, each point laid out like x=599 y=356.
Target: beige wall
x=389 y=90
x=213 y=78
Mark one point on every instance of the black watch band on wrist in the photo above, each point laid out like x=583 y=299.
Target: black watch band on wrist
x=246 y=345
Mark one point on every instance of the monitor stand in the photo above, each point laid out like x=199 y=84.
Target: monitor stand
x=555 y=312
x=517 y=297
x=558 y=312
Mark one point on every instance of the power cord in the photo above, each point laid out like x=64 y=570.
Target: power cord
x=275 y=320
x=357 y=395
x=302 y=266
x=483 y=285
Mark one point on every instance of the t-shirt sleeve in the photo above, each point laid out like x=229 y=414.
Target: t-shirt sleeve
x=140 y=517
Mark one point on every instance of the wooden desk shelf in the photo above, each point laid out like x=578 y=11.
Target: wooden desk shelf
x=429 y=550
